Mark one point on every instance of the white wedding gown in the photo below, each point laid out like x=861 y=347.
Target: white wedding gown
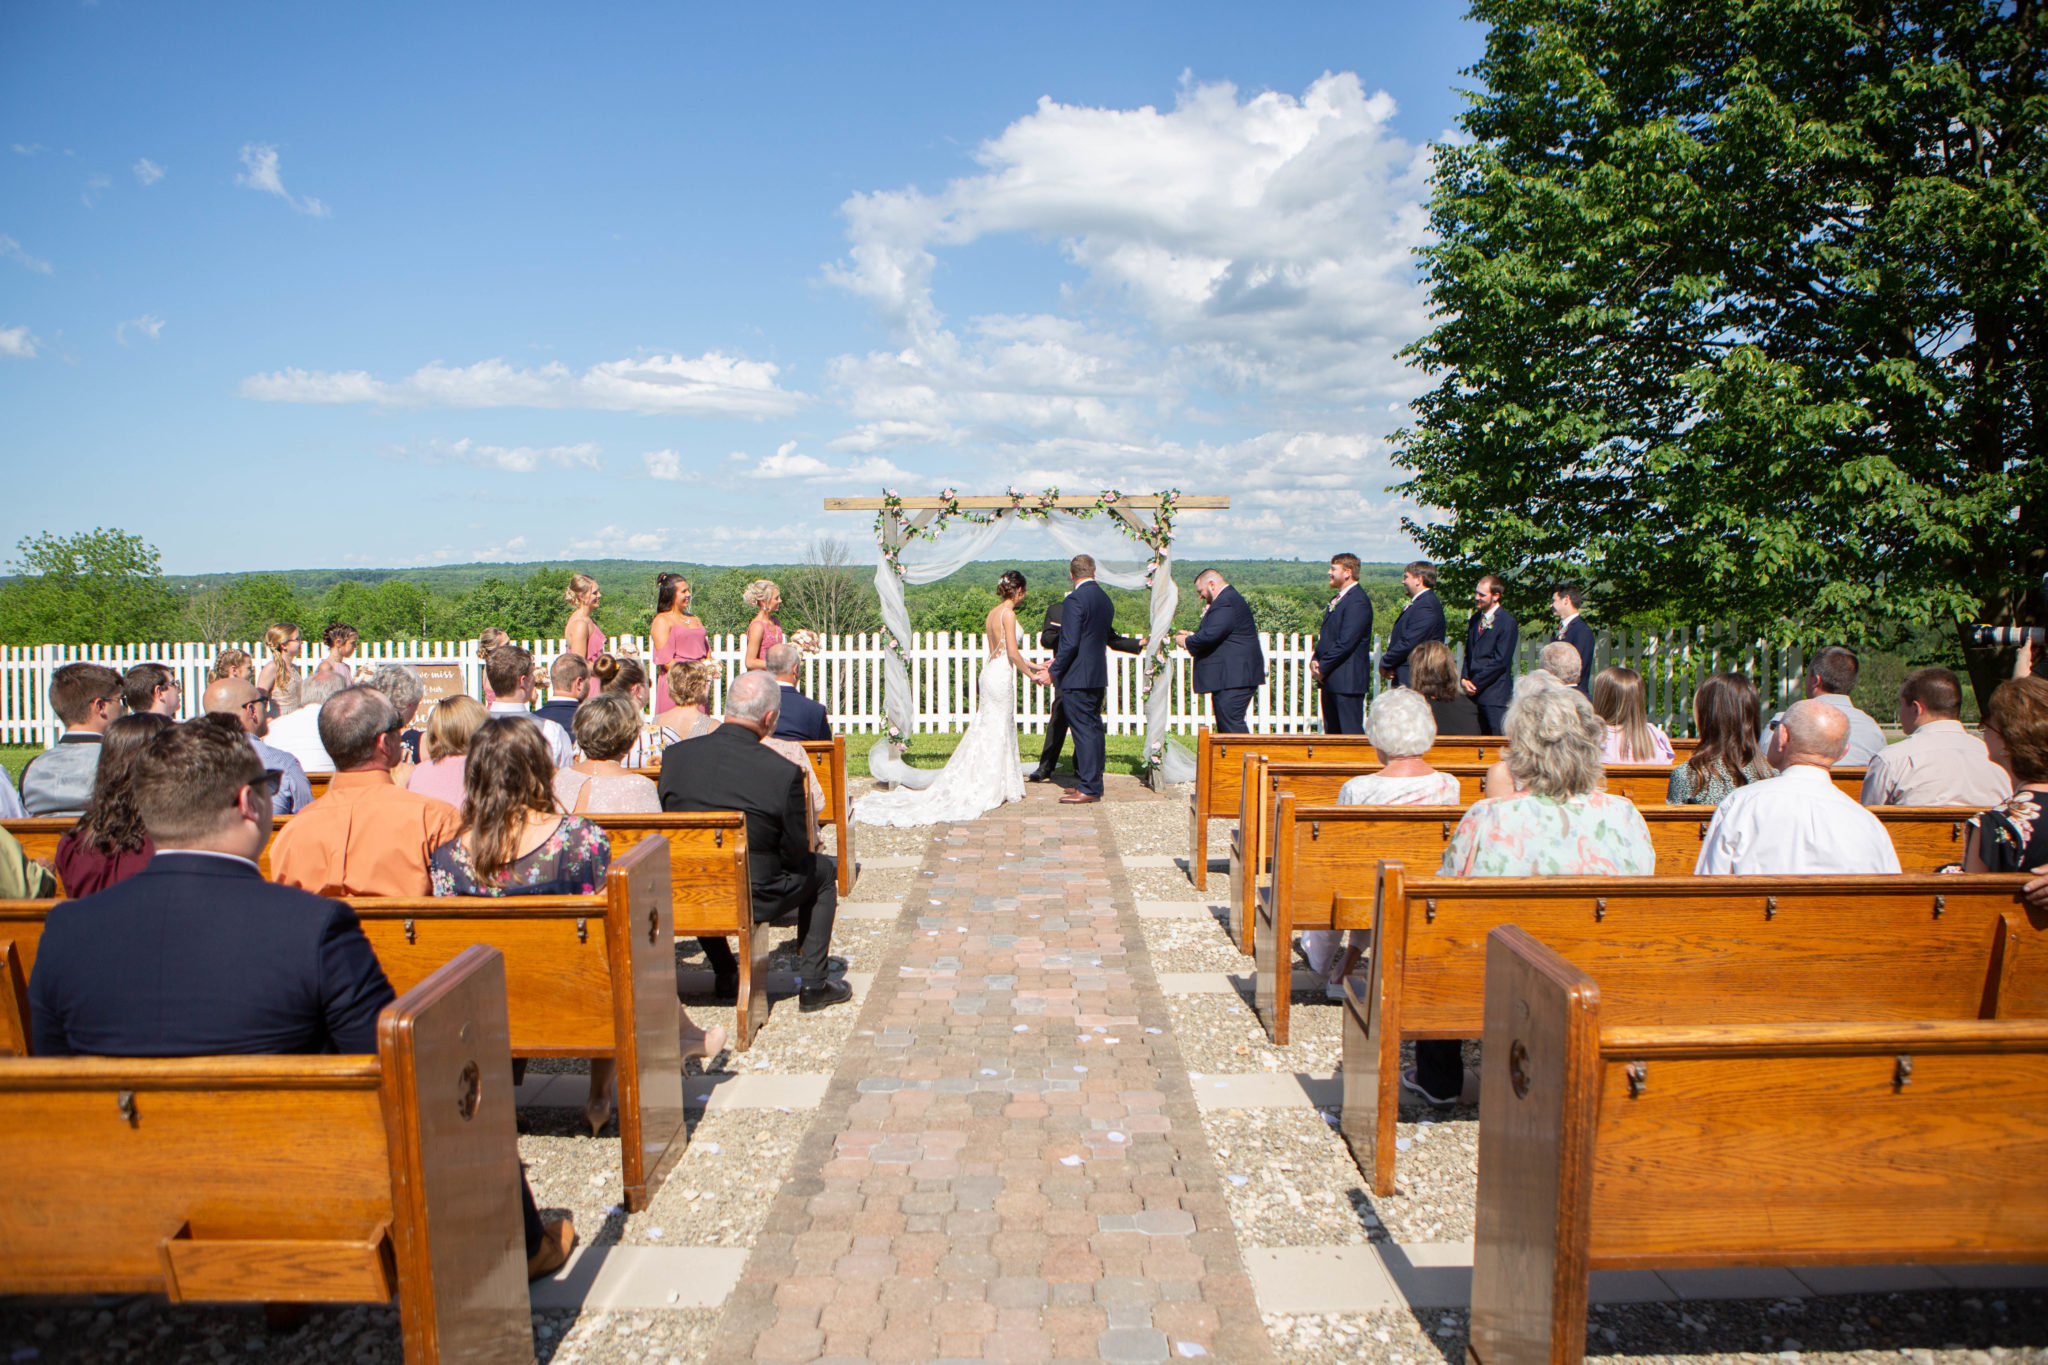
x=983 y=772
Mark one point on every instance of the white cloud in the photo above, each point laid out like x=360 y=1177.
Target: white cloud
x=510 y=459
x=18 y=343
x=667 y=466
x=29 y=148
x=12 y=250
x=713 y=384
x=259 y=172
x=787 y=463
x=147 y=172
x=148 y=325
x=95 y=186
x=616 y=541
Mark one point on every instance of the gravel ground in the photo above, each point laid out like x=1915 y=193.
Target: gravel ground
x=1220 y=1033
x=1290 y=1179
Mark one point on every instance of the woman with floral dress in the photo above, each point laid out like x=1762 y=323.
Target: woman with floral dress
x=2014 y=837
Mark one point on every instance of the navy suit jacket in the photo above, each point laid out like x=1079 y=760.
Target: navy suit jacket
x=198 y=955
x=1344 y=646
x=1082 y=659
x=802 y=718
x=1226 y=646
x=1422 y=619
x=1490 y=657
x=1579 y=636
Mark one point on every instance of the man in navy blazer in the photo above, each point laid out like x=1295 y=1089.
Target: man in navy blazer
x=1490 y=638
x=1342 y=665
x=1080 y=668
x=802 y=718
x=1565 y=600
x=1056 y=724
x=1229 y=665
x=1421 y=619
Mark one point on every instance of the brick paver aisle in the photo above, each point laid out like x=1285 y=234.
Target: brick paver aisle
x=1008 y=1165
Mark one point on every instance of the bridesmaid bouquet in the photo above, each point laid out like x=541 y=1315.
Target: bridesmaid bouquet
x=807 y=641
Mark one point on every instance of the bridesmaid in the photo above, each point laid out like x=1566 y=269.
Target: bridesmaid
x=678 y=637
x=340 y=638
x=280 y=678
x=583 y=634
x=763 y=632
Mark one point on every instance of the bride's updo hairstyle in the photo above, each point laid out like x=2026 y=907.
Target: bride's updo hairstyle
x=1010 y=586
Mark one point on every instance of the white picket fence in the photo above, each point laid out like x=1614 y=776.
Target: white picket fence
x=846 y=676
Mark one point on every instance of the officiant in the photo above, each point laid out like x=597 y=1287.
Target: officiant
x=1056 y=727
x=1229 y=664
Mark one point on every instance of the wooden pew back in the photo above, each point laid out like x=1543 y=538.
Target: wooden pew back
x=828 y=761
x=287 y=1179
x=1685 y=950
x=1614 y=1145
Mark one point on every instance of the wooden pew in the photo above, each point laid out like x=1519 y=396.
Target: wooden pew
x=1704 y=949
x=14 y=1023
x=283 y=1179
x=1612 y=1144
x=585 y=976
x=1219 y=771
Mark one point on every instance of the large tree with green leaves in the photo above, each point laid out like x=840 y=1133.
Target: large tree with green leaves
x=1743 y=312
x=97 y=587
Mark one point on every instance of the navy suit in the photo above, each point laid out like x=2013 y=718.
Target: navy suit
x=1229 y=665
x=1422 y=619
x=1490 y=665
x=1081 y=668
x=801 y=718
x=1579 y=636
x=1344 y=655
x=1056 y=723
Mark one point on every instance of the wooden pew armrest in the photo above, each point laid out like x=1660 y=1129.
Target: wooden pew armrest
x=267 y=1270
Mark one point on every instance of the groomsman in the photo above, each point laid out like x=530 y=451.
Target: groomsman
x=1342 y=665
x=1565 y=600
x=1056 y=722
x=1490 y=637
x=1421 y=618
x=1229 y=665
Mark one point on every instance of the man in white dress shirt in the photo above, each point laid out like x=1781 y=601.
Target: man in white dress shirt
x=298 y=732
x=509 y=670
x=1939 y=763
x=1799 y=823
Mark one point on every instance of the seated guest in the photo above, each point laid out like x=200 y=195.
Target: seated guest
x=152 y=687
x=340 y=638
x=622 y=674
x=1799 y=823
x=689 y=695
x=453 y=721
x=401 y=685
x=1724 y=711
x=488 y=639
x=1499 y=779
x=728 y=769
x=568 y=684
x=58 y=781
x=1561 y=660
x=10 y=799
x=367 y=836
x=1830 y=678
x=22 y=878
x=607 y=729
x=1561 y=824
x=510 y=673
x=2014 y=837
x=1401 y=729
x=298 y=732
x=197 y=955
x=1433 y=673
x=109 y=843
x=511 y=838
x=802 y=718
x=1939 y=763
x=1620 y=698
x=239 y=700
x=232 y=663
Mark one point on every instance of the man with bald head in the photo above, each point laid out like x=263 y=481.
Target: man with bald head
x=730 y=769
x=240 y=701
x=1799 y=823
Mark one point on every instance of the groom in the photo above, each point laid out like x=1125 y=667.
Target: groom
x=1080 y=668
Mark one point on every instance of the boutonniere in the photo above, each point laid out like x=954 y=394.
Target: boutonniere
x=1484 y=625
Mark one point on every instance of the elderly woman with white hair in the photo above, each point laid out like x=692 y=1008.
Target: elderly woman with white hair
x=1560 y=822
x=1402 y=727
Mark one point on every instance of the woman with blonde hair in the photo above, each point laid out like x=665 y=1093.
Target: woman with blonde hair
x=444 y=747
x=1620 y=698
x=764 y=632
x=689 y=701
x=231 y=663
x=677 y=636
x=281 y=677
x=582 y=634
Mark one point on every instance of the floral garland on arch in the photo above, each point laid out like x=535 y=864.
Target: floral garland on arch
x=1157 y=538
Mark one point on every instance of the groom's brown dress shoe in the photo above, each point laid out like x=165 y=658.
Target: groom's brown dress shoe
x=1078 y=799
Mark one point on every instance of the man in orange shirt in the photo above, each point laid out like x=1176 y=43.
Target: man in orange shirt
x=367 y=836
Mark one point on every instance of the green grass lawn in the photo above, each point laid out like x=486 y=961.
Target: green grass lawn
x=16 y=757
x=931 y=751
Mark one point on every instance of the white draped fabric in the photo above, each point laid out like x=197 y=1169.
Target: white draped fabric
x=928 y=561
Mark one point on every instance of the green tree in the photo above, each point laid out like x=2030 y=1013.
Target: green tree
x=1742 y=312
x=101 y=586
x=256 y=602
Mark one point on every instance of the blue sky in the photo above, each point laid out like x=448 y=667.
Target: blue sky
x=384 y=285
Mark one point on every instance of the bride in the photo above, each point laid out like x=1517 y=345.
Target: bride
x=983 y=772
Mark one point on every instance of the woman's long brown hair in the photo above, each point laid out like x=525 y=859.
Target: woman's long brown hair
x=1620 y=698
x=109 y=821
x=1725 y=705
x=508 y=772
